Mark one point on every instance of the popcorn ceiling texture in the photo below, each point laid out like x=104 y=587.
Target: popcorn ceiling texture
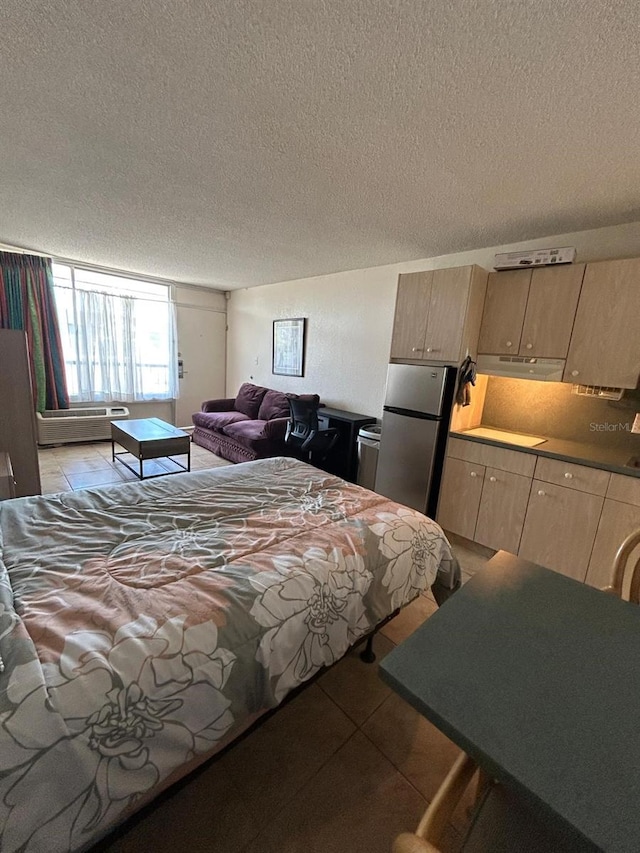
x=241 y=142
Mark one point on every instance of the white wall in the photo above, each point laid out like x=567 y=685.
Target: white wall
x=350 y=316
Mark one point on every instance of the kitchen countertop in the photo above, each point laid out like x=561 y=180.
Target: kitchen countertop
x=592 y=455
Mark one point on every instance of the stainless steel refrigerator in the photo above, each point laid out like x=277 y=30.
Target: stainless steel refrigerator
x=415 y=423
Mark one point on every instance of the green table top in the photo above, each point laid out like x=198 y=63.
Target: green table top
x=537 y=677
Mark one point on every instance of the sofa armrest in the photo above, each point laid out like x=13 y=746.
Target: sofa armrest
x=218 y=405
x=275 y=429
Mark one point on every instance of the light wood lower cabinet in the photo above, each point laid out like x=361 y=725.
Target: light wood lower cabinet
x=568 y=517
x=560 y=528
x=503 y=506
x=485 y=492
x=620 y=517
x=460 y=497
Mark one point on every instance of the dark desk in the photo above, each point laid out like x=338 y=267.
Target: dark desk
x=537 y=677
x=343 y=459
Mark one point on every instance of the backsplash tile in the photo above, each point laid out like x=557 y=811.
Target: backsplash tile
x=550 y=409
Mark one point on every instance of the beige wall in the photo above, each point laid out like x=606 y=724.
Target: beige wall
x=350 y=315
x=201 y=321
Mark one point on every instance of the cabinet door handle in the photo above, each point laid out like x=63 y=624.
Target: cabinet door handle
x=529 y=346
x=432 y=349
x=473 y=474
x=416 y=349
x=509 y=343
x=568 y=476
x=575 y=372
x=492 y=479
x=541 y=492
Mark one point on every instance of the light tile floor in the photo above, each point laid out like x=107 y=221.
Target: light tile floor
x=69 y=467
x=345 y=766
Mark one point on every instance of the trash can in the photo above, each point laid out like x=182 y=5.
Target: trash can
x=368 y=446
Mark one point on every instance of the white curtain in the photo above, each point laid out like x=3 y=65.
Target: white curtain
x=126 y=348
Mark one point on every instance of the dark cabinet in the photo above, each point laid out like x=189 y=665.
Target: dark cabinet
x=17 y=414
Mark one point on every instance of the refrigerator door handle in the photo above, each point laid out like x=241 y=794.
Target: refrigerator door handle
x=410 y=413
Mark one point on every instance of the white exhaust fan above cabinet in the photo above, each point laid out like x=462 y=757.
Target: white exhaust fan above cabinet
x=521 y=367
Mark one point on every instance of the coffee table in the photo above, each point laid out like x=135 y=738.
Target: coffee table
x=150 y=438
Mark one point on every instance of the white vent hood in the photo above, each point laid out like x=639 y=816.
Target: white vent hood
x=521 y=367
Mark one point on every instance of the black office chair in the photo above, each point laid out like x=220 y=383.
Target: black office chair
x=304 y=433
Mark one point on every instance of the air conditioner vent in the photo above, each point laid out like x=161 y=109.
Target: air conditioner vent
x=63 y=426
x=602 y=392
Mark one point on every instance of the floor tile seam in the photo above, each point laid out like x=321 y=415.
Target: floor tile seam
x=278 y=810
x=425 y=800
x=61 y=474
x=332 y=700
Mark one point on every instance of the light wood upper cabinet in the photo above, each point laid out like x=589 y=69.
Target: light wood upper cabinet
x=605 y=343
x=504 y=310
x=551 y=310
x=412 y=313
x=531 y=312
x=438 y=313
x=449 y=291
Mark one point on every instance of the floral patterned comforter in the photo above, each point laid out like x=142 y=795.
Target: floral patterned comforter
x=143 y=627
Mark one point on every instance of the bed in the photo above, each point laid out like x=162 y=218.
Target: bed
x=143 y=627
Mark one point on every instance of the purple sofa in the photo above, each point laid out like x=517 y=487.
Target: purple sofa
x=250 y=426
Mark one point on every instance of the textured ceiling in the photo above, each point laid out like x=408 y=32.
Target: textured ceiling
x=239 y=142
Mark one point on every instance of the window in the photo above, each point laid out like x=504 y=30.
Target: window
x=118 y=336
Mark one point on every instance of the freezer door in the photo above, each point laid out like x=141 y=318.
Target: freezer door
x=406 y=459
x=416 y=387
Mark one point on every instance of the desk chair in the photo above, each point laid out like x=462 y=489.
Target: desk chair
x=620 y=568
x=500 y=822
x=304 y=433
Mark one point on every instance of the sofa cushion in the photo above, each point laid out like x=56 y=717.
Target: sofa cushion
x=247 y=431
x=217 y=420
x=248 y=399
x=274 y=404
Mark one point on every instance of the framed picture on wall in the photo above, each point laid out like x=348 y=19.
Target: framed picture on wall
x=288 y=347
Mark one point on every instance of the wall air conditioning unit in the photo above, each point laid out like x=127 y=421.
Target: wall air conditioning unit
x=63 y=426
x=535 y=258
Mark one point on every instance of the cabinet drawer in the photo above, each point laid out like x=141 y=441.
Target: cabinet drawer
x=625 y=489
x=513 y=461
x=577 y=477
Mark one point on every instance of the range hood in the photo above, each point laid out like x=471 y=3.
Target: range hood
x=521 y=367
